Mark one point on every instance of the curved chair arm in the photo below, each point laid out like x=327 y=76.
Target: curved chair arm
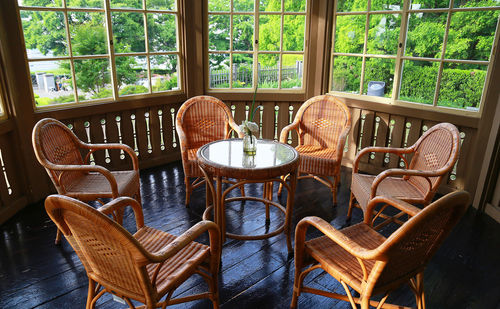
x=84 y=168
x=234 y=127
x=404 y=172
x=394 y=202
x=125 y=148
x=337 y=236
x=188 y=236
x=397 y=151
x=284 y=132
x=341 y=143
x=123 y=202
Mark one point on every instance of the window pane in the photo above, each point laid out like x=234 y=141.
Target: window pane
x=269 y=32
x=162 y=34
x=291 y=71
x=346 y=74
x=270 y=6
x=471 y=35
x=128 y=32
x=88 y=35
x=219 y=6
x=41 y=40
x=242 y=71
x=425 y=4
x=51 y=3
x=93 y=78
x=132 y=75
x=218 y=32
x=243 y=32
x=418 y=82
x=243 y=5
x=268 y=71
x=379 y=74
x=383 y=34
x=85 y=4
x=170 y=5
x=295 y=5
x=477 y=3
x=51 y=81
x=350 y=34
x=384 y=5
x=164 y=73
x=425 y=34
x=294 y=32
x=218 y=74
x=462 y=86
x=130 y=4
x=351 y=6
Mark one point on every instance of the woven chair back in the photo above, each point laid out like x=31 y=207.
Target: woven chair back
x=53 y=142
x=204 y=119
x=436 y=150
x=106 y=249
x=410 y=248
x=322 y=120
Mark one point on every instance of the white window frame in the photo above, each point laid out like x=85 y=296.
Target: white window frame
x=256 y=52
x=400 y=57
x=111 y=55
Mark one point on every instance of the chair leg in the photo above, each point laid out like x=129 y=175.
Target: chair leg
x=419 y=291
x=296 y=289
x=214 y=290
x=334 y=189
x=349 y=211
x=91 y=295
x=188 y=190
x=58 y=237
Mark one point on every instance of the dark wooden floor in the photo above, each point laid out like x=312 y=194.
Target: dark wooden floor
x=465 y=272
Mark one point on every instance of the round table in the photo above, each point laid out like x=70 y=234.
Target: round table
x=225 y=159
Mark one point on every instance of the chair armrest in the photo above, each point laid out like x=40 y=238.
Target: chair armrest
x=401 y=172
x=397 y=151
x=85 y=168
x=188 y=236
x=284 y=132
x=121 y=203
x=337 y=236
x=125 y=148
x=236 y=128
x=394 y=202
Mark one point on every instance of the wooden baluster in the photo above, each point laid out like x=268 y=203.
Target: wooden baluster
x=112 y=135
x=397 y=139
x=141 y=133
x=97 y=137
x=381 y=137
x=267 y=115
x=155 y=132
x=367 y=132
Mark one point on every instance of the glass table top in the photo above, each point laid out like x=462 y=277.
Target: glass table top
x=229 y=153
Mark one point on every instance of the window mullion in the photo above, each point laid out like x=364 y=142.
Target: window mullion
x=256 y=44
x=111 y=48
x=443 y=52
x=403 y=31
x=280 y=57
x=146 y=42
x=70 y=52
x=363 y=63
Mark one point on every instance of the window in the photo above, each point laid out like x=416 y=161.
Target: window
x=250 y=39
x=443 y=59
x=95 y=50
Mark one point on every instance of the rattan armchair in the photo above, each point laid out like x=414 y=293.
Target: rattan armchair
x=144 y=266
x=322 y=124
x=360 y=258
x=201 y=120
x=433 y=156
x=57 y=149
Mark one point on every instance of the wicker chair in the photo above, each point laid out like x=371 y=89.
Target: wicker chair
x=58 y=151
x=360 y=258
x=434 y=155
x=322 y=124
x=201 y=120
x=144 y=266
